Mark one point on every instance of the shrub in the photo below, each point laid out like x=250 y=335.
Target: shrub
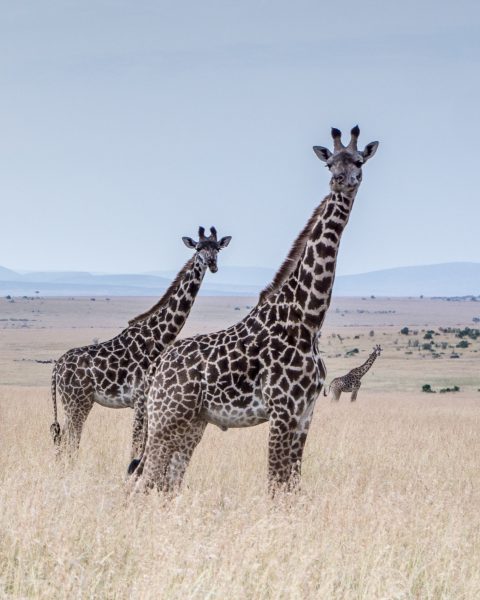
x=405 y=331
x=455 y=388
x=352 y=352
x=463 y=344
x=427 y=388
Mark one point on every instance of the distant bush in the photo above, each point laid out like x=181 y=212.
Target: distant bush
x=455 y=388
x=352 y=352
x=405 y=331
x=427 y=388
x=463 y=344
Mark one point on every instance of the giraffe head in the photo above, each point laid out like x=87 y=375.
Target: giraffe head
x=377 y=350
x=346 y=162
x=207 y=247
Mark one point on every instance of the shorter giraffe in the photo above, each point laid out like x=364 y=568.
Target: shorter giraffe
x=351 y=382
x=113 y=373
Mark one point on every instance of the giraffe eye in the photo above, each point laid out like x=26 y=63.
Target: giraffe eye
x=359 y=164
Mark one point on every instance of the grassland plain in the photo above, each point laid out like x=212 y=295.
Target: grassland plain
x=390 y=492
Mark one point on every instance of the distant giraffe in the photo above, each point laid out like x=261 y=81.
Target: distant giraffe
x=351 y=382
x=264 y=368
x=112 y=373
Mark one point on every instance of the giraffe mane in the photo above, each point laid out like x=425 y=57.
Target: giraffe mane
x=172 y=288
x=290 y=262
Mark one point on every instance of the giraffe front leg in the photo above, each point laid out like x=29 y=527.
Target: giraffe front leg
x=353 y=397
x=298 y=444
x=138 y=432
x=282 y=430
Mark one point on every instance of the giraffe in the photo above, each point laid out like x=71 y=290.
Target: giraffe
x=352 y=381
x=266 y=368
x=112 y=373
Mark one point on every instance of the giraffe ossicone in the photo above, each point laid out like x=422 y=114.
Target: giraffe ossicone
x=267 y=366
x=352 y=381
x=113 y=373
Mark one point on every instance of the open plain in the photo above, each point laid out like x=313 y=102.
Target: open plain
x=389 y=505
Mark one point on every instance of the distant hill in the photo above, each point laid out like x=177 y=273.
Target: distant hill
x=8 y=275
x=447 y=279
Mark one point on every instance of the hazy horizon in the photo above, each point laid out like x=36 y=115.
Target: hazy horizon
x=125 y=127
x=169 y=271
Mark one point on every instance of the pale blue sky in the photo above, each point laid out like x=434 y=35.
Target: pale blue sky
x=125 y=125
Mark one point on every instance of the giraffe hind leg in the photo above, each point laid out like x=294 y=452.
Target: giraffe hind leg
x=182 y=454
x=77 y=409
x=336 y=393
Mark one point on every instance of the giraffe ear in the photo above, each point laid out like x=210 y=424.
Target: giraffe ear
x=369 y=150
x=189 y=243
x=323 y=153
x=223 y=243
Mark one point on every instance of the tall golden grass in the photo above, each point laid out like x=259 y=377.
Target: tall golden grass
x=389 y=508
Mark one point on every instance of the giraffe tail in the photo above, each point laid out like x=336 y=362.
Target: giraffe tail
x=325 y=393
x=55 y=426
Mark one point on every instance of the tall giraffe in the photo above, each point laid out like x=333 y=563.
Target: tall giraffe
x=264 y=368
x=112 y=373
x=352 y=381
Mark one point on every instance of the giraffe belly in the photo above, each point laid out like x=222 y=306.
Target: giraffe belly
x=121 y=400
x=254 y=413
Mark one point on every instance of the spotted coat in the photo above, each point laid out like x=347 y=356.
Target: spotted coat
x=352 y=381
x=113 y=373
x=264 y=368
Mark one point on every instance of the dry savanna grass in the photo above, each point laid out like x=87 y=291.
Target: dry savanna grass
x=389 y=505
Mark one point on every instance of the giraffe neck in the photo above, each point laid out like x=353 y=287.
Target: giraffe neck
x=308 y=289
x=362 y=369
x=166 y=319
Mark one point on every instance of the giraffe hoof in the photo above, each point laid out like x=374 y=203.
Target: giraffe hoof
x=132 y=466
